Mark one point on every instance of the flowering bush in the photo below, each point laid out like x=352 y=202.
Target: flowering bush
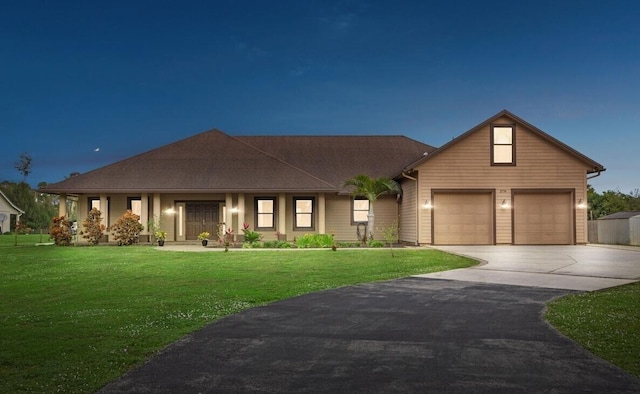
x=127 y=228
x=60 y=231
x=93 y=227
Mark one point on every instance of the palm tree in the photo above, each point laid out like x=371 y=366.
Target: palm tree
x=371 y=189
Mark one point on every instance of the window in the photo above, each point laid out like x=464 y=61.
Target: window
x=135 y=205
x=94 y=202
x=502 y=145
x=265 y=212
x=303 y=218
x=360 y=211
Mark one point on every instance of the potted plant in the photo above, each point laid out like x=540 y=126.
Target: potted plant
x=161 y=236
x=204 y=237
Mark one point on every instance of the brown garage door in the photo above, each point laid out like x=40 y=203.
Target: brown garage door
x=542 y=219
x=463 y=218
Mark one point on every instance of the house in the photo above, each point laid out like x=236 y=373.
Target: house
x=502 y=182
x=620 y=228
x=7 y=208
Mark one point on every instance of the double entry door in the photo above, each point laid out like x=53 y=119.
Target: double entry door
x=201 y=216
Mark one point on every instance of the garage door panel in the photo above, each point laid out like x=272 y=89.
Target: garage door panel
x=543 y=219
x=463 y=218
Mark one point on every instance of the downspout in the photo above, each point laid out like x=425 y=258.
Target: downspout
x=417 y=208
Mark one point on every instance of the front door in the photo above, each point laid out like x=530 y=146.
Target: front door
x=201 y=216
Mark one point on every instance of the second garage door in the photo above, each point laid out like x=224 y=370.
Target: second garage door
x=543 y=218
x=463 y=218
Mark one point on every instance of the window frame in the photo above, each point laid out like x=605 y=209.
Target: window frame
x=353 y=210
x=311 y=214
x=130 y=206
x=257 y=214
x=512 y=144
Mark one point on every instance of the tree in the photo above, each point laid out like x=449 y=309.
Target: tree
x=611 y=202
x=371 y=189
x=24 y=165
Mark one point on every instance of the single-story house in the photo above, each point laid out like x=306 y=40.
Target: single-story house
x=502 y=182
x=7 y=208
x=620 y=228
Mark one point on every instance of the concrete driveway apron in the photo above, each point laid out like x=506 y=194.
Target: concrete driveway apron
x=585 y=268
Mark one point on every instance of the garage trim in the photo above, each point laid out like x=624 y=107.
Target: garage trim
x=464 y=191
x=572 y=193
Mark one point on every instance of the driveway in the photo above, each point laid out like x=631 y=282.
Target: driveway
x=584 y=268
x=412 y=335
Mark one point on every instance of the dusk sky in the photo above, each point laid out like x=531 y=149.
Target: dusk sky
x=86 y=83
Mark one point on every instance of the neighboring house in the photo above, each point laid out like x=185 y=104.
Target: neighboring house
x=7 y=208
x=621 y=228
x=502 y=182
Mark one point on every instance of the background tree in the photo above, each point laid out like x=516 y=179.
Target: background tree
x=24 y=165
x=371 y=189
x=611 y=202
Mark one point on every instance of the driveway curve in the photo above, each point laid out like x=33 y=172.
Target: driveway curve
x=399 y=336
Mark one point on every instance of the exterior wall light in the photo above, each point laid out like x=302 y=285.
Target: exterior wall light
x=234 y=210
x=581 y=204
x=505 y=204
x=170 y=211
x=427 y=204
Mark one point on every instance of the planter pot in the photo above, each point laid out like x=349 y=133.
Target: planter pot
x=161 y=242
x=205 y=242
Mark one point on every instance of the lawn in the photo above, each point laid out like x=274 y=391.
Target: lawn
x=605 y=322
x=74 y=318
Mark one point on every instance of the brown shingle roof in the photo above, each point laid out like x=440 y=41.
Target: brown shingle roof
x=213 y=161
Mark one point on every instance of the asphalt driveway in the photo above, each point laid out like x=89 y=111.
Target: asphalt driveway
x=585 y=268
x=402 y=336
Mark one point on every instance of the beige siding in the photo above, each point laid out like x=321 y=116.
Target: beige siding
x=408 y=214
x=466 y=165
x=339 y=216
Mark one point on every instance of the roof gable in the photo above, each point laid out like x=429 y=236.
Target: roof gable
x=593 y=165
x=10 y=204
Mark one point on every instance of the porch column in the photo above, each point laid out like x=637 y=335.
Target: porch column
x=282 y=214
x=62 y=207
x=321 y=214
x=144 y=212
x=156 y=209
x=228 y=220
x=241 y=209
x=104 y=208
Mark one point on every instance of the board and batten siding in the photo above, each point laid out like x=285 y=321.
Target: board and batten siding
x=467 y=165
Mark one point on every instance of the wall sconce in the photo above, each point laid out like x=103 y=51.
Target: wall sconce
x=427 y=204
x=505 y=204
x=581 y=204
x=234 y=210
x=170 y=211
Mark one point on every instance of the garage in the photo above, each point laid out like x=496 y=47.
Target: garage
x=463 y=218
x=543 y=218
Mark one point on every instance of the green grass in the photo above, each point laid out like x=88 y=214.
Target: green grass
x=74 y=318
x=605 y=322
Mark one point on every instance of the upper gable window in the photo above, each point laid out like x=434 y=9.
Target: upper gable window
x=503 y=145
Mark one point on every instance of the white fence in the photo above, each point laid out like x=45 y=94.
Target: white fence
x=615 y=231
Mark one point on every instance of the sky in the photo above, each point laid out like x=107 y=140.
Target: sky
x=86 y=83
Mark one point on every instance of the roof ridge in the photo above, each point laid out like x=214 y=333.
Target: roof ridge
x=281 y=161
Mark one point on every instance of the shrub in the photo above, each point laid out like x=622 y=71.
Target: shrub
x=250 y=237
x=93 y=227
x=315 y=241
x=127 y=228
x=376 y=244
x=60 y=231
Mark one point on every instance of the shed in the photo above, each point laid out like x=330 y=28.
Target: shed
x=620 y=228
x=7 y=208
